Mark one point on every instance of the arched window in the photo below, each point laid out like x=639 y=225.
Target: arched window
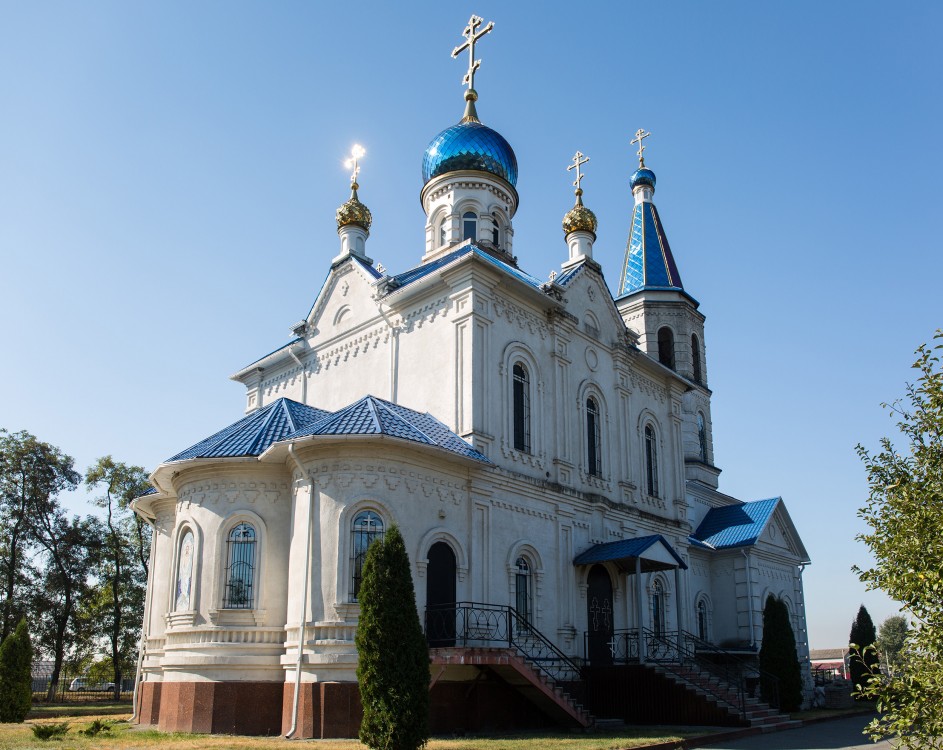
x=702 y=622
x=521 y=410
x=443 y=231
x=666 y=347
x=658 y=608
x=496 y=231
x=367 y=527
x=593 y=447
x=240 y=572
x=523 y=590
x=470 y=226
x=184 y=573
x=696 y=358
x=701 y=437
x=651 y=461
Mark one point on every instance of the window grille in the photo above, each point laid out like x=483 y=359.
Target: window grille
x=240 y=574
x=593 y=453
x=366 y=528
x=521 y=411
x=651 y=461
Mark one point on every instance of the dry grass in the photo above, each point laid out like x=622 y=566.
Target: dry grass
x=126 y=737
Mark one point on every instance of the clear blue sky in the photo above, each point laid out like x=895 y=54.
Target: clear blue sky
x=169 y=173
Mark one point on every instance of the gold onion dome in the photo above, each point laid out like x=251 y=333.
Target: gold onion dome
x=353 y=212
x=579 y=218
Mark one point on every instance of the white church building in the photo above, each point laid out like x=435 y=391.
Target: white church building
x=544 y=446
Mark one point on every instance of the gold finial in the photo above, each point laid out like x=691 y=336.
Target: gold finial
x=472 y=35
x=578 y=160
x=640 y=135
x=357 y=152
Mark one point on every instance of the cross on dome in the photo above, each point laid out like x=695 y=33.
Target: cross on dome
x=640 y=135
x=472 y=35
x=357 y=152
x=578 y=160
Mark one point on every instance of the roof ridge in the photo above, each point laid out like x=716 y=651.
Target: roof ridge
x=413 y=425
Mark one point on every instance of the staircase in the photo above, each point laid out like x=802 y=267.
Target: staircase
x=499 y=638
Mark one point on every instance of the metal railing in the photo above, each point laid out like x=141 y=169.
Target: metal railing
x=471 y=624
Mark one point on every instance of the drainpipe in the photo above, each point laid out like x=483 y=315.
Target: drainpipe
x=304 y=594
x=746 y=556
x=638 y=616
x=304 y=376
x=142 y=645
x=394 y=354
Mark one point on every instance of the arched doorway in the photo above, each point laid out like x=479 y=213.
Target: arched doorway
x=440 y=593
x=599 y=616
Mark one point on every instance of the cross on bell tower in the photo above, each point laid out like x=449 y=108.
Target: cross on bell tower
x=471 y=35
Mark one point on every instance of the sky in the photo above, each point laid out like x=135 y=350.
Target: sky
x=169 y=174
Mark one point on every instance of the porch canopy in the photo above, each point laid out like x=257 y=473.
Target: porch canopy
x=643 y=554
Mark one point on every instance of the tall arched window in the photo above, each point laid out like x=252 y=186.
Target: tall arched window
x=658 y=608
x=696 y=358
x=701 y=437
x=443 y=231
x=182 y=601
x=666 y=347
x=523 y=593
x=593 y=446
x=651 y=461
x=367 y=527
x=470 y=226
x=240 y=572
x=521 y=409
x=496 y=231
x=702 y=631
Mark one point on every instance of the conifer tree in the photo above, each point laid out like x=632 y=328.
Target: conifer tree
x=778 y=657
x=393 y=658
x=863 y=661
x=16 y=681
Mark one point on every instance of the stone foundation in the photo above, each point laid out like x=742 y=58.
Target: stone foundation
x=213 y=707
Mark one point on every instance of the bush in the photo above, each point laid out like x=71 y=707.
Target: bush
x=16 y=687
x=778 y=657
x=53 y=731
x=393 y=658
x=96 y=727
x=862 y=661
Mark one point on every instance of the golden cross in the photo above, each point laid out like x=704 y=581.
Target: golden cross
x=356 y=154
x=471 y=36
x=640 y=135
x=578 y=161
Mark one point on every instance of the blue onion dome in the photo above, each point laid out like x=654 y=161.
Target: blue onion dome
x=642 y=176
x=469 y=145
x=353 y=212
x=579 y=218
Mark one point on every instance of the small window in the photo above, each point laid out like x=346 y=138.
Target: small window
x=522 y=588
x=696 y=358
x=521 y=393
x=666 y=347
x=470 y=226
x=443 y=232
x=240 y=573
x=593 y=452
x=496 y=231
x=658 y=608
x=701 y=437
x=182 y=601
x=651 y=461
x=366 y=528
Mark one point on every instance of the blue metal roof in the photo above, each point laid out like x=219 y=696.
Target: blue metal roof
x=735 y=525
x=469 y=145
x=368 y=268
x=255 y=432
x=419 y=272
x=567 y=276
x=649 y=263
x=628 y=549
x=374 y=416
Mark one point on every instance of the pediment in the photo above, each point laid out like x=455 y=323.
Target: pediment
x=345 y=303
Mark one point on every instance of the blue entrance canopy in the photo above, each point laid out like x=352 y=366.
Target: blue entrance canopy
x=653 y=551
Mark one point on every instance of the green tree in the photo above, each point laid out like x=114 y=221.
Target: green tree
x=393 y=658
x=903 y=511
x=31 y=473
x=862 y=659
x=16 y=680
x=118 y=602
x=778 y=657
x=892 y=635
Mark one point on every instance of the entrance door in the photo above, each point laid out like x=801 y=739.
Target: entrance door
x=440 y=592
x=599 y=612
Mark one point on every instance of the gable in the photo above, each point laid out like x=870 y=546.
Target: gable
x=345 y=303
x=589 y=300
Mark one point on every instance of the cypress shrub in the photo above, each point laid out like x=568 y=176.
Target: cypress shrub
x=393 y=658
x=862 y=661
x=16 y=680
x=778 y=657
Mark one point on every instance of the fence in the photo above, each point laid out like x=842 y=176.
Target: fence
x=78 y=688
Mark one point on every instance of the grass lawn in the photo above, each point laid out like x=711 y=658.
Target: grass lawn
x=126 y=737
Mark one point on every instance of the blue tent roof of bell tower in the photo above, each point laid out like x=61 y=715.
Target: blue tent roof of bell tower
x=649 y=263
